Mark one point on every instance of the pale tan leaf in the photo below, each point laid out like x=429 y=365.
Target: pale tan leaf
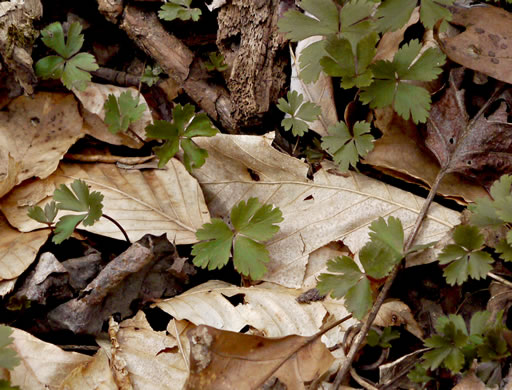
x=152 y=201
x=93 y=99
x=7 y=286
x=18 y=250
x=269 y=308
x=93 y=375
x=320 y=92
x=152 y=358
x=329 y=208
x=43 y=365
x=36 y=132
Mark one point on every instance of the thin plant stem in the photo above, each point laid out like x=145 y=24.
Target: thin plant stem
x=354 y=348
x=119 y=226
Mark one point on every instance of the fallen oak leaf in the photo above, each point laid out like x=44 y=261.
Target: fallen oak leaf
x=228 y=360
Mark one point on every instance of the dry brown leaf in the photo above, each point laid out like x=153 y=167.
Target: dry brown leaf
x=484 y=44
x=148 y=201
x=93 y=375
x=470 y=382
x=227 y=360
x=270 y=309
x=330 y=208
x=36 y=132
x=18 y=250
x=396 y=313
x=153 y=359
x=320 y=92
x=43 y=365
x=399 y=153
x=93 y=99
x=479 y=147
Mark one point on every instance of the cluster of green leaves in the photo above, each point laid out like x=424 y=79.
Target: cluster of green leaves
x=351 y=33
x=78 y=199
x=151 y=75
x=454 y=346
x=179 y=9
x=123 y=111
x=253 y=223
x=8 y=357
x=380 y=254
x=299 y=113
x=215 y=62
x=71 y=67
x=185 y=125
x=383 y=338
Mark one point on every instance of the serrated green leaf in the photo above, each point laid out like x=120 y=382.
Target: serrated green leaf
x=393 y=14
x=179 y=9
x=300 y=113
x=347 y=274
x=479 y=322
x=200 y=126
x=8 y=357
x=215 y=251
x=121 y=112
x=432 y=10
x=310 y=66
x=215 y=62
x=392 y=81
x=468 y=237
x=76 y=71
x=255 y=220
x=487 y=212
x=47 y=216
x=505 y=250
x=346 y=148
x=377 y=259
x=356 y=20
x=324 y=20
x=53 y=37
x=193 y=155
x=419 y=374
x=151 y=75
x=359 y=298
x=390 y=233
x=250 y=257
x=50 y=67
x=65 y=227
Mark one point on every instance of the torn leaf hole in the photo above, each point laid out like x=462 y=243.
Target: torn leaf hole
x=309 y=197
x=451 y=141
x=253 y=174
x=235 y=300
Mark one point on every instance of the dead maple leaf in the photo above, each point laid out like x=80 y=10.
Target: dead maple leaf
x=473 y=146
x=484 y=44
x=228 y=360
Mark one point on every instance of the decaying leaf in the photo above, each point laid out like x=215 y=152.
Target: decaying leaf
x=329 y=208
x=465 y=145
x=36 y=132
x=227 y=360
x=147 y=201
x=484 y=44
x=95 y=374
x=43 y=365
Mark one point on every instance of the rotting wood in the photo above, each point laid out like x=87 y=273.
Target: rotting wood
x=248 y=38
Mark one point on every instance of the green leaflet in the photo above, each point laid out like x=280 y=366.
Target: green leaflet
x=179 y=9
x=299 y=113
x=121 y=112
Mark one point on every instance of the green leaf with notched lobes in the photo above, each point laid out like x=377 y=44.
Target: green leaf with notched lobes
x=346 y=280
x=390 y=234
x=465 y=257
x=505 y=250
x=70 y=66
x=431 y=11
x=253 y=223
x=310 y=66
x=185 y=125
x=215 y=62
x=215 y=250
x=151 y=75
x=377 y=259
x=179 y=9
x=66 y=226
x=299 y=112
x=392 y=81
x=121 y=112
x=8 y=357
x=487 y=212
x=346 y=148
x=47 y=216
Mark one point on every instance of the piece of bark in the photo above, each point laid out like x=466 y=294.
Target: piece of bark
x=111 y=9
x=176 y=59
x=17 y=36
x=257 y=63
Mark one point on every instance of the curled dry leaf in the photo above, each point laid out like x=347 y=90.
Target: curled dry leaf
x=17 y=250
x=95 y=374
x=147 y=201
x=43 y=365
x=329 y=208
x=221 y=359
x=472 y=146
x=484 y=45
x=93 y=100
x=319 y=92
x=35 y=132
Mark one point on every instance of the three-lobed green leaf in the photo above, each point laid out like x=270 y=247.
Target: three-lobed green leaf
x=215 y=62
x=179 y=9
x=185 y=125
x=392 y=81
x=299 y=113
x=465 y=257
x=70 y=66
x=121 y=112
x=346 y=148
x=45 y=216
x=151 y=75
x=253 y=223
